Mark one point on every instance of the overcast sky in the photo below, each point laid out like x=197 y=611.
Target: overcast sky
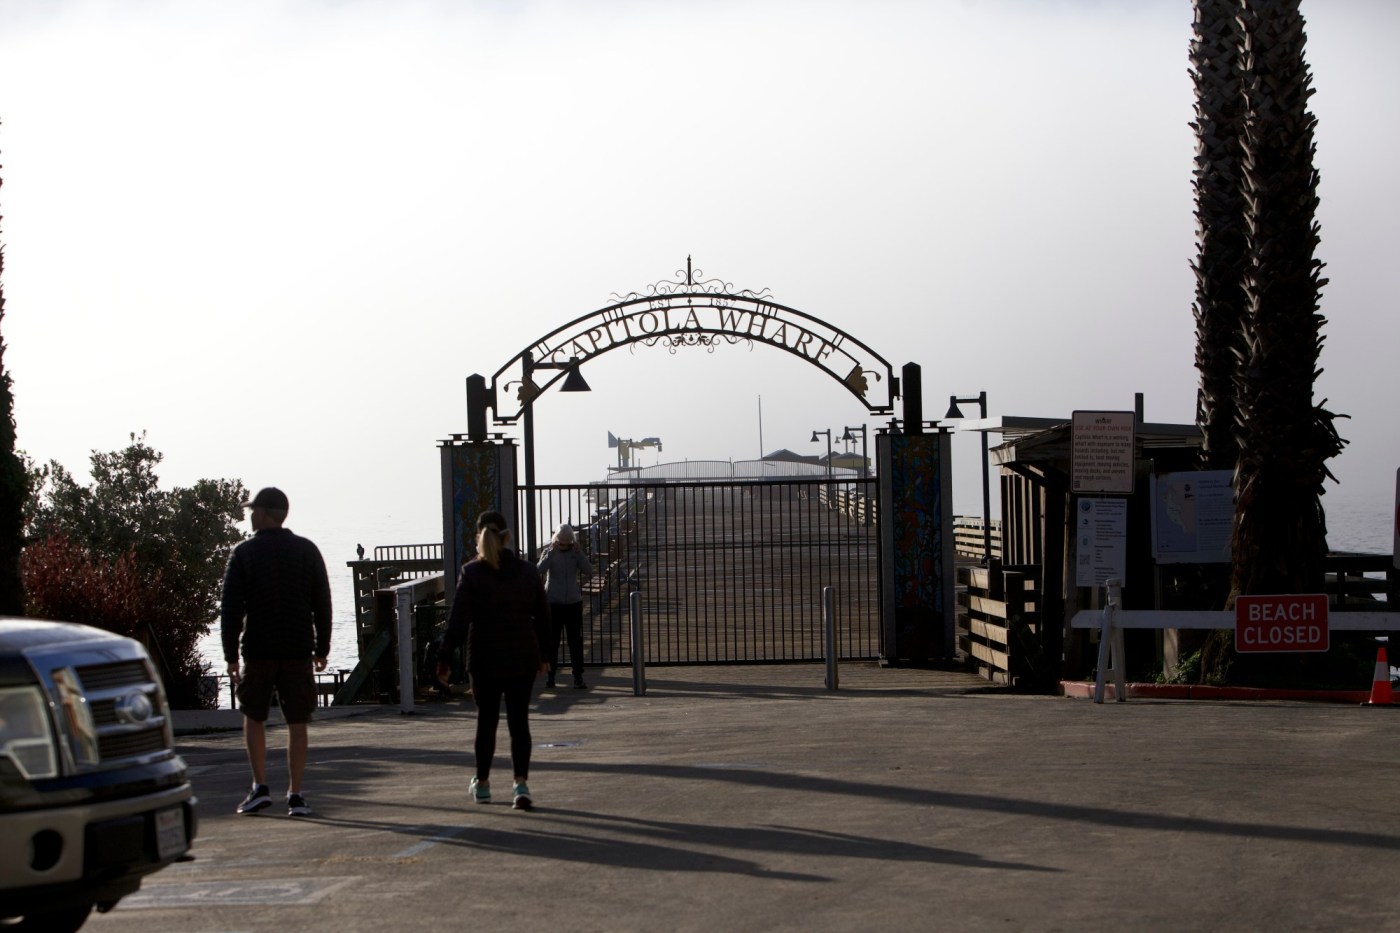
x=277 y=236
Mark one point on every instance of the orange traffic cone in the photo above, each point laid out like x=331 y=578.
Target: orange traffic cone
x=1381 y=694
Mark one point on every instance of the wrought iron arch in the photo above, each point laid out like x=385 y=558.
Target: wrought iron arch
x=691 y=311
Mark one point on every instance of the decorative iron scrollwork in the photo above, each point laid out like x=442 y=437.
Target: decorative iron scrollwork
x=673 y=342
x=689 y=281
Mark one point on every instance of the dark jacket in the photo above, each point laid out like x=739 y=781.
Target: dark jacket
x=499 y=615
x=277 y=582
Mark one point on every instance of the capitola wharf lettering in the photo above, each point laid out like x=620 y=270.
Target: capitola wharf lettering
x=655 y=321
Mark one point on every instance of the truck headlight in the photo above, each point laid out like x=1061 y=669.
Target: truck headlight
x=25 y=736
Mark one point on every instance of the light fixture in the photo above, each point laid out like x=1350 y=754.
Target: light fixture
x=955 y=412
x=574 y=381
x=529 y=391
x=816 y=436
x=864 y=449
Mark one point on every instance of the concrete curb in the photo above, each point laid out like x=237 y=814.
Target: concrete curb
x=1080 y=689
x=196 y=721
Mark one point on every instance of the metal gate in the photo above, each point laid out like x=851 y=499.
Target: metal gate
x=728 y=572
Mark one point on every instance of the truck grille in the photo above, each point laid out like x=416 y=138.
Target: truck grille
x=105 y=685
x=112 y=676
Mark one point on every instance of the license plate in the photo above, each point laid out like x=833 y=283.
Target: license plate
x=170 y=833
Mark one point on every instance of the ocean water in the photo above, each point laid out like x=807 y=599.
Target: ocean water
x=1359 y=526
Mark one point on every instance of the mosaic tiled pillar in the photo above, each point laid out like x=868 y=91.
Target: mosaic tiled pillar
x=475 y=477
x=918 y=615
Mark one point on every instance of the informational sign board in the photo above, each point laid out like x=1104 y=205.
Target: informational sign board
x=1101 y=452
x=1101 y=541
x=1193 y=514
x=1281 y=623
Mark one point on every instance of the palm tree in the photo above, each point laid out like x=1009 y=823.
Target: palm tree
x=1220 y=259
x=1285 y=440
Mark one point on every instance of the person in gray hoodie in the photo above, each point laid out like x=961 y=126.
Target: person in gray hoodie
x=562 y=563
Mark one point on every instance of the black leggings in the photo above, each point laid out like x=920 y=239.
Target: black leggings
x=569 y=617
x=487 y=690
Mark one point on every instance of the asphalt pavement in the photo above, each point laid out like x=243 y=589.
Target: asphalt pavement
x=752 y=798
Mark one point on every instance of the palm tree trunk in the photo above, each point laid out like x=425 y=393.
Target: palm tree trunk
x=1285 y=440
x=1221 y=257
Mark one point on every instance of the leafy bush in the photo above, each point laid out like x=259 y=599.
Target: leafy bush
x=126 y=556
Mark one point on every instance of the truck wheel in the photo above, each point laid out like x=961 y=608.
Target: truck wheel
x=67 y=920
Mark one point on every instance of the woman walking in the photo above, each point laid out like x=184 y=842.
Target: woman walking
x=499 y=611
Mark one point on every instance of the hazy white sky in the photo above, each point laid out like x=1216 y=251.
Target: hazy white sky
x=279 y=235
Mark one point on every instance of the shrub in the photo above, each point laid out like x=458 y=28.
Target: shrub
x=129 y=557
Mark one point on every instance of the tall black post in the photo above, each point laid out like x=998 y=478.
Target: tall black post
x=476 y=408
x=913 y=388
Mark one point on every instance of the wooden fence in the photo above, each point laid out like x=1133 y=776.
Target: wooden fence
x=1000 y=629
x=852 y=502
x=391 y=566
x=967 y=537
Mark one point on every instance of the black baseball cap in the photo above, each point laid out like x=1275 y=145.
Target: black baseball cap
x=269 y=498
x=491 y=519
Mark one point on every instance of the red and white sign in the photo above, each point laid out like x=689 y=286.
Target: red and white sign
x=1102 y=448
x=1281 y=623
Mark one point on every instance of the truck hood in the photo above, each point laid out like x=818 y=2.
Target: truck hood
x=20 y=635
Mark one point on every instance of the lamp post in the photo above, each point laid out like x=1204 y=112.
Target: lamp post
x=815 y=435
x=573 y=382
x=864 y=450
x=955 y=412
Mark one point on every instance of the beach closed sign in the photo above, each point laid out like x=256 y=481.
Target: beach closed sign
x=1281 y=623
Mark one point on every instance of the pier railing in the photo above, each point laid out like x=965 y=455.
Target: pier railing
x=967 y=537
x=1362 y=581
x=392 y=565
x=848 y=501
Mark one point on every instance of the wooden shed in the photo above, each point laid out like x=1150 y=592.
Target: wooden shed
x=1016 y=626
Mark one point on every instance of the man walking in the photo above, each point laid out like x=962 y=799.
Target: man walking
x=277 y=597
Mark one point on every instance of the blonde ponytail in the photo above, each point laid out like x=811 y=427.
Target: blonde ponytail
x=490 y=543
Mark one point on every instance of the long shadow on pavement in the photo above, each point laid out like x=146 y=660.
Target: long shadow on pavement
x=1123 y=819
x=667 y=846
x=348 y=767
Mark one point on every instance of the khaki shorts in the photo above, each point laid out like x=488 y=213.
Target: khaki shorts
x=295 y=682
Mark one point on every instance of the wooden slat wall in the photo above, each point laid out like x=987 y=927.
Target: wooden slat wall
x=999 y=627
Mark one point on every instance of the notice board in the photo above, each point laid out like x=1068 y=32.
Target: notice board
x=1101 y=541
x=1101 y=455
x=1193 y=517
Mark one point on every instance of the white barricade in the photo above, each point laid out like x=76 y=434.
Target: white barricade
x=1111 y=621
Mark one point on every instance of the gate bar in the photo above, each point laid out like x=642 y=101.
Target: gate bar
x=639 y=672
x=833 y=677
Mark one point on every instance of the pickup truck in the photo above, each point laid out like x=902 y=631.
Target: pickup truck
x=92 y=795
